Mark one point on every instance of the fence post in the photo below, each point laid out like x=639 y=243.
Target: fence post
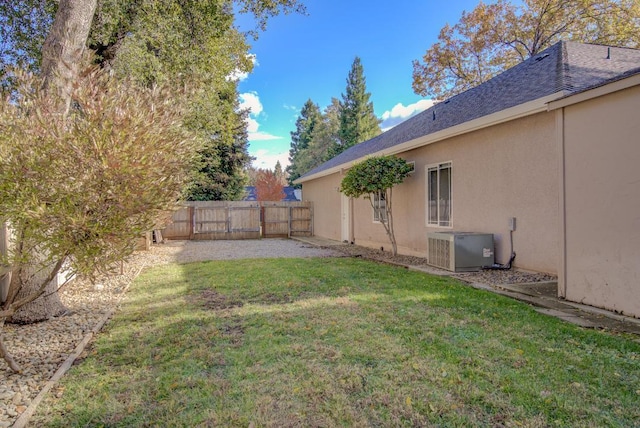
x=192 y=222
x=263 y=221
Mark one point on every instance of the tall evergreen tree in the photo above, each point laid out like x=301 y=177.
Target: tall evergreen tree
x=280 y=174
x=323 y=139
x=358 y=122
x=309 y=118
x=218 y=173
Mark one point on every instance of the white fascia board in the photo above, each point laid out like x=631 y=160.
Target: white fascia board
x=526 y=109
x=596 y=92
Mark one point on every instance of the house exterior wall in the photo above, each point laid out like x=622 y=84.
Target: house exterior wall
x=602 y=202
x=507 y=170
x=326 y=205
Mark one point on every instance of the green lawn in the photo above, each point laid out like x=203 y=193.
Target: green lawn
x=340 y=342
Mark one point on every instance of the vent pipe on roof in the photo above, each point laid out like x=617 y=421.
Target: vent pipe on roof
x=608 y=53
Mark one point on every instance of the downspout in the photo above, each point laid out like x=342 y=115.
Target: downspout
x=352 y=236
x=562 y=266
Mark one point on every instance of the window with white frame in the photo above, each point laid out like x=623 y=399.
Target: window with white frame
x=412 y=164
x=380 y=207
x=439 y=194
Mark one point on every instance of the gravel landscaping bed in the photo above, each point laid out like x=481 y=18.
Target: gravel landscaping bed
x=490 y=277
x=41 y=348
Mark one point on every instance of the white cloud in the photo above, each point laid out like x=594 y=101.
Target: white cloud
x=404 y=112
x=399 y=113
x=262 y=136
x=252 y=125
x=267 y=160
x=251 y=100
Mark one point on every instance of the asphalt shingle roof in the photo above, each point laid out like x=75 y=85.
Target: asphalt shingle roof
x=565 y=68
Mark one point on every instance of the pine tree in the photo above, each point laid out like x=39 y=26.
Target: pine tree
x=324 y=138
x=309 y=118
x=358 y=122
x=280 y=174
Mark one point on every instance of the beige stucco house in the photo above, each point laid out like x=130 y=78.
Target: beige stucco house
x=553 y=143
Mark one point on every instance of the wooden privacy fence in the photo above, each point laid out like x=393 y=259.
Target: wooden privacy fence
x=240 y=220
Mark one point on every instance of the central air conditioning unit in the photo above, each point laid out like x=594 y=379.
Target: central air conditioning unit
x=460 y=251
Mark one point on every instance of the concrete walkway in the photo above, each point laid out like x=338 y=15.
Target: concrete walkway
x=543 y=296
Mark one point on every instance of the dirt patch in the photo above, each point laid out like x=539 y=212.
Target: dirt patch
x=211 y=299
x=234 y=332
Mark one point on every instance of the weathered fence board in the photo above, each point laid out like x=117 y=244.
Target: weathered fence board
x=240 y=220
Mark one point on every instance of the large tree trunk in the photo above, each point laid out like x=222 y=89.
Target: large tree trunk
x=64 y=46
x=28 y=282
x=62 y=54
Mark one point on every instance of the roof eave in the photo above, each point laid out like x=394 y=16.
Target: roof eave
x=526 y=109
x=598 y=91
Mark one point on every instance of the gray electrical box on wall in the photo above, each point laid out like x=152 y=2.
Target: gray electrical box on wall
x=512 y=224
x=460 y=251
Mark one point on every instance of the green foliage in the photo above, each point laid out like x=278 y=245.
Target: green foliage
x=23 y=27
x=178 y=43
x=358 y=122
x=494 y=37
x=82 y=188
x=218 y=173
x=321 y=141
x=262 y=10
x=373 y=175
x=191 y=44
x=306 y=123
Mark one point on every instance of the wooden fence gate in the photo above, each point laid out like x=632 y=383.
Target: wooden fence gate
x=240 y=220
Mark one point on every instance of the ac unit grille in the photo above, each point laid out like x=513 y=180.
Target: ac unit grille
x=440 y=253
x=460 y=251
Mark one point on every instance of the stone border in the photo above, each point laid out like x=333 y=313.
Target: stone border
x=24 y=418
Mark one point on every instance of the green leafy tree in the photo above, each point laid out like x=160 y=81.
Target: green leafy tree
x=23 y=28
x=374 y=178
x=494 y=37
x=306 y=123
x=191 y=44
x=26 y=23
x=358 y=122
x=187 y=43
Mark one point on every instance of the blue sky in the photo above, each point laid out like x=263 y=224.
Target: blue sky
x=309 y=57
